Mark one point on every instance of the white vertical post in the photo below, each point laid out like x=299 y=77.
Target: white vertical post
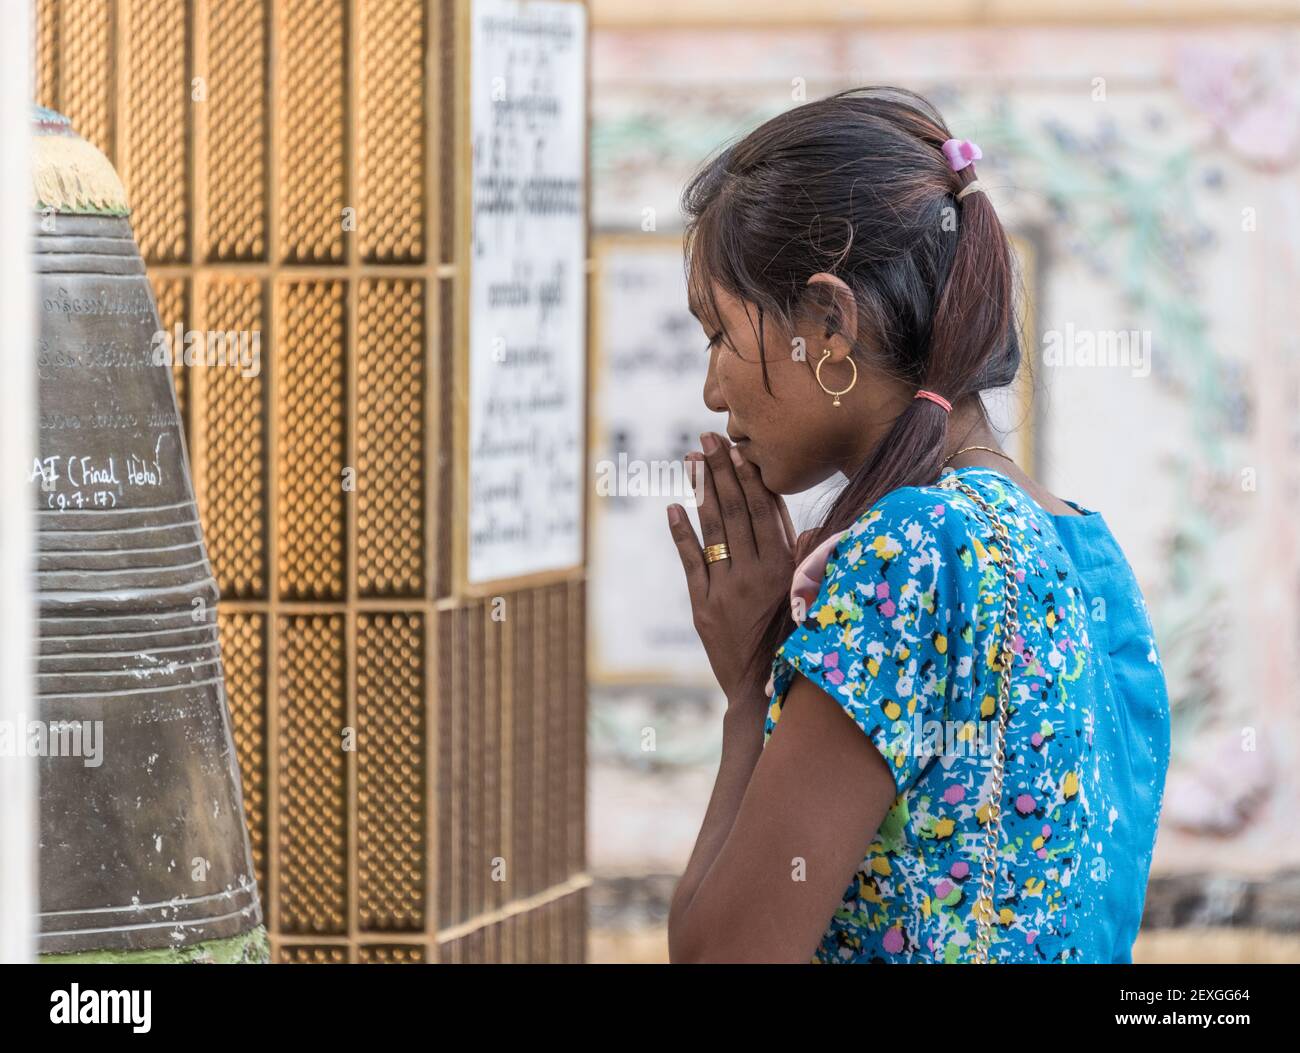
x=18 y=826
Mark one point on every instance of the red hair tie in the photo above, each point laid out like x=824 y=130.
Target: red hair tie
x=938 y=400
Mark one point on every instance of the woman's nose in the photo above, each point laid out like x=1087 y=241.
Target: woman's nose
x=712 y=389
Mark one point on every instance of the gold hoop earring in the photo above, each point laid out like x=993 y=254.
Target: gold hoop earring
x=828 y=391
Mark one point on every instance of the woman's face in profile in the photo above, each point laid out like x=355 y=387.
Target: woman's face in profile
x=794 y=435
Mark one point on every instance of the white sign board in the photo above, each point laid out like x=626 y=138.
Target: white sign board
x=527 y=288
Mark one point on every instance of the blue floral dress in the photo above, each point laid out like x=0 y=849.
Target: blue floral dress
x=905 y=634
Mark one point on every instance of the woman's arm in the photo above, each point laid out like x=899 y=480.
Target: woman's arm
x=785 y=831
x=787 y=825
x=742 y=742
x=728 y=600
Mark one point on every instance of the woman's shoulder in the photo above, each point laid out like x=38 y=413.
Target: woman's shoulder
x=894 y=626
x=920 y=522
x=937 y=543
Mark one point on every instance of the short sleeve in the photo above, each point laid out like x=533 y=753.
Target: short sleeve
x=887 y=634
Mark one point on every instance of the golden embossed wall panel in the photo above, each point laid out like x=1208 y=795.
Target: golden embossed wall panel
x=391 y=183
x=391 y=340
x=157 y=159
x=88 y=69
x=310 y=172
x=450 y=765
x=243 y=654
x=45 y=64
x=306 y=954
x=311 y=414
x=234 y=111
x=378 y=954
x=447 y=101
x=446 y=437
x=312 y=844
x=413 y=761
x=231 y=461
x=391 y=804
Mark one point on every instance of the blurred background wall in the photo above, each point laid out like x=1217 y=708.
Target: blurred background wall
x=1146 y=158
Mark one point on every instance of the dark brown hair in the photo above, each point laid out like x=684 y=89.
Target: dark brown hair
x=857 y=185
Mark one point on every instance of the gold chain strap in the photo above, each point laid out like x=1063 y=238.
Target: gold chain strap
x=1011 y=626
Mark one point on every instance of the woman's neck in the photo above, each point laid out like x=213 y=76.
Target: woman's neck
x=967 y=428
x=972 y=429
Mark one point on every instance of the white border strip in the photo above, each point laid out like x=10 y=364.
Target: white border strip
x=18 y=829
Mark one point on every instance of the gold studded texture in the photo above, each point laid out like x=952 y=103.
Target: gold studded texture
x=310 y=175
x=232 y=498
x=391 y=772
x=390 y=438
x=312 y=843
x=243 y=654
x=298 y=954
x=392 y=132
x=381 y=955
x=310 y=412
x=45 y=58
x=451 y=759
x=85 y=81
x=235 y=115
x=157 y=134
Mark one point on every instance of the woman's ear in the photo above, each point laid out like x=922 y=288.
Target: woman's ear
x=833 y=314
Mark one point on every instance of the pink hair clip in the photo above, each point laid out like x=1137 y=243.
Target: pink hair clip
x=960 y=153
x=938 y=400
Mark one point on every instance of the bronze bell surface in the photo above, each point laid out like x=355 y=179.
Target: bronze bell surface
x=142 y=836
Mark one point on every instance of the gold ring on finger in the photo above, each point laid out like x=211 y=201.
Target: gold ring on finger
x=714 y=553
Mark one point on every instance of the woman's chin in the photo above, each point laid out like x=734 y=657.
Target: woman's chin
x=785 y=476
x=776 y=481
x=781 y=480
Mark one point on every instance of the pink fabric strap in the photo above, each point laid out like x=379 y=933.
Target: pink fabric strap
x=938 y=400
